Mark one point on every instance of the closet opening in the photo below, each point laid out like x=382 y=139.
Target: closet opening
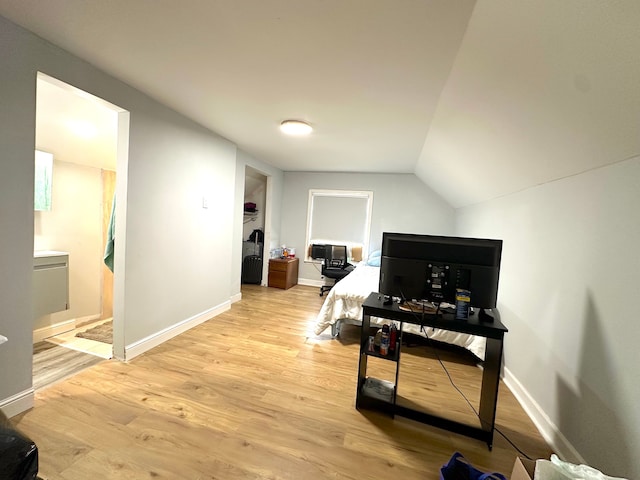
x=254 y=252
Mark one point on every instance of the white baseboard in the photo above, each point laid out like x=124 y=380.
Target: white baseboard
x=81 y=321
x=549 y=431
x=52 y=330
x=18 y=403
x=236 y=298
x=310 y=282
x=141 y=346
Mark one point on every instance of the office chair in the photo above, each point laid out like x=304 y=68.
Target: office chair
x=334 y=265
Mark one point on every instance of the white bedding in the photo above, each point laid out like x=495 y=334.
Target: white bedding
x=344 y=303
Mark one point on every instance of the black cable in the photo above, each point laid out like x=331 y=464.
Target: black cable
x=444 y=368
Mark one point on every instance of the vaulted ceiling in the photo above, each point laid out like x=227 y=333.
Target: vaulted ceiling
x=478 y=98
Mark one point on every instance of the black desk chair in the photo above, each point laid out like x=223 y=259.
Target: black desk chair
x=334 y=265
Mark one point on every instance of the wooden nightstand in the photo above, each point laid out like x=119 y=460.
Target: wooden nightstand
x=283 y=272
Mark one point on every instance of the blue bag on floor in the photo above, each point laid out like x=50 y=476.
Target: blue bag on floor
x=458 y=468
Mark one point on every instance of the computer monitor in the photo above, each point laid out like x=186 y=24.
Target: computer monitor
x=431 y=267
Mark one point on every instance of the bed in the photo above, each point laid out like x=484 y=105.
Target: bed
x=343 y=305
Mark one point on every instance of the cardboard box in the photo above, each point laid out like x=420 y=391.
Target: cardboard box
x=523 y=469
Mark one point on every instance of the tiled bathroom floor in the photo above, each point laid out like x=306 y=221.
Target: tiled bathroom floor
x=69 y=340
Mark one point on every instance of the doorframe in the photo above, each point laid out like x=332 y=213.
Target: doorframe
x=267 y=220
x=267 y=230
x=122 y=164
x=119 y=264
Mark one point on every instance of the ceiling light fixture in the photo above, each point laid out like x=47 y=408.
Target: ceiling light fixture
x=82 y=128
x=295 y=127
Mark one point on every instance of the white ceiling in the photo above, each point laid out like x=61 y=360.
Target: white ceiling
x=74 y=126
x=479 y=99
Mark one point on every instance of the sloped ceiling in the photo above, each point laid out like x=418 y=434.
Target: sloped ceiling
x=479 y=99
x=540 y=90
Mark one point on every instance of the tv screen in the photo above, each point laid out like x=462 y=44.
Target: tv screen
x=431 y=267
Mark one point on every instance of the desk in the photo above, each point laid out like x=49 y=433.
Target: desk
x=492 y=331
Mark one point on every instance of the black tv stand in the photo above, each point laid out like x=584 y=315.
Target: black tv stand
x=382 y=395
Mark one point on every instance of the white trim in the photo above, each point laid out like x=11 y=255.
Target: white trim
x=323 y=192
x=120 y=255
x=541 y=420
x=236 y=298
x=82 y=321
x=309 y=282
x=141 y=346
x=313 y=192
x=266 y=241
x=52 y=330
x=18 y=403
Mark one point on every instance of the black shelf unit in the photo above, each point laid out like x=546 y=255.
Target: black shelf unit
x=366 y=398
x=374 y=392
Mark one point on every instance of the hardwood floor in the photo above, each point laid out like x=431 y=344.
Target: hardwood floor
x=248 y=395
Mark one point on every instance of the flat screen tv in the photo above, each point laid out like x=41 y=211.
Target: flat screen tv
x=431 y=267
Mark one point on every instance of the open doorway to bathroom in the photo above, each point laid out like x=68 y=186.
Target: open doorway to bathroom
x=81 y=132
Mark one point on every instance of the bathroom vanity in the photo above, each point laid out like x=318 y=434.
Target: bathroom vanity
x=50 y=282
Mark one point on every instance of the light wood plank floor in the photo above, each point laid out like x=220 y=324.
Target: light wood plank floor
x=247 y=395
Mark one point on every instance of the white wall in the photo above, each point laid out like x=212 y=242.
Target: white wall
x=568 y=294
x=74 y=225
x=178 y=262
x=401 y=202
x=177 y=252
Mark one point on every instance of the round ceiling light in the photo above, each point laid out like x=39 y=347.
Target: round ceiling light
x=295 y=127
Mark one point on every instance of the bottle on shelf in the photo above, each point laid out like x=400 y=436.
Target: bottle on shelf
x=393 y=338
x=384 y=340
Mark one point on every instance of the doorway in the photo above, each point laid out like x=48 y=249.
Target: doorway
x=82 y=132
x=254 y=229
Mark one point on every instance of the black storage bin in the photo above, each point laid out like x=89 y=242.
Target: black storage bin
x=18 y=454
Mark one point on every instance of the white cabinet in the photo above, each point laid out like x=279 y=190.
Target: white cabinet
x=50 y=282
